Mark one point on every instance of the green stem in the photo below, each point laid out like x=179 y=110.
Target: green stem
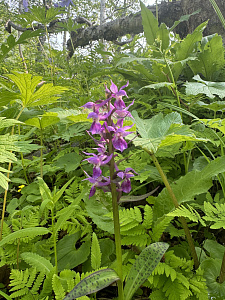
x=176 y=204
x=116 y=225
x=54 y=241
x=222 y=271
x=41 y=156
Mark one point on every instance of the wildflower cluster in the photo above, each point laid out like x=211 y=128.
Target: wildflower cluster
x=112 y=133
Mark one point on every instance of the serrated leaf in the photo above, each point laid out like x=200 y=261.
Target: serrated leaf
x=160 y=131
x=35 y=260
x=41 y=122
x=209 y=88
x=27 y=85
x=23 y=233
x=93 y=283
x=95 y=253
x=143 y=267
x=211 y=59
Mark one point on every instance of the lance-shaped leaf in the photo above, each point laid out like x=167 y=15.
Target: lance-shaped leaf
x=30 y=95
x=150 y=24
x=160 y=131
x=93 y=283
x=143 y=267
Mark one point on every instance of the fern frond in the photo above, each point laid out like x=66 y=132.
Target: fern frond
x=187 y=212
x=160 y=227
x=137 y=240
x=95 y=253
x=23 y=233
x=58 y=288
x=215 y=214
x=25 y=282
x=35 y=260
x=148 y=217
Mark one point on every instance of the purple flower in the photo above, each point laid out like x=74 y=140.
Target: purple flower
x=25 y=5
x=97 y=116
x=98 y=161
x=64 y=3
x=118 y=140
x=126 y=175
x=101 y=182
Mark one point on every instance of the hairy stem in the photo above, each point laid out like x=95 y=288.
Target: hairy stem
x=176 y=204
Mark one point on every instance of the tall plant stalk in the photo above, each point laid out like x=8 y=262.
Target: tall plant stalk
x=116 y=221
x=176 y=204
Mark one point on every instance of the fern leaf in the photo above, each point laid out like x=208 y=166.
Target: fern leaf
x=157 y=295
x=58 y=288
x=148 y=217
x=95 y=253
x=37 y=283
x=23 y=233
x=160 y=227
x=187 y=212
x=35 y=260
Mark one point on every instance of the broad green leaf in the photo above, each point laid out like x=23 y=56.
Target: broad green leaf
x=27 y=85
x=160 y=131
x=95 y=253
x=69 y=256
x=192 y=184
x=185 y=48
x=143 y=267
x=98 y=213
x=215 y=249
x=150 y=24
x=69 y=161
x=48 y=119
x=215 y=123
x=211 y=59
x=23 y=233
x=211 y=269
x=93 y=283
x=209 y=88
x=37 y=261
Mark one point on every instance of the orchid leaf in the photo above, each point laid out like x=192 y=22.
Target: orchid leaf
x=93 y=283
x=143 y=267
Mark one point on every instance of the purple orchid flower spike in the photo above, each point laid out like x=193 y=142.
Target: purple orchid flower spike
x=126 y=175
x=25 y=5
x=101 y=182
